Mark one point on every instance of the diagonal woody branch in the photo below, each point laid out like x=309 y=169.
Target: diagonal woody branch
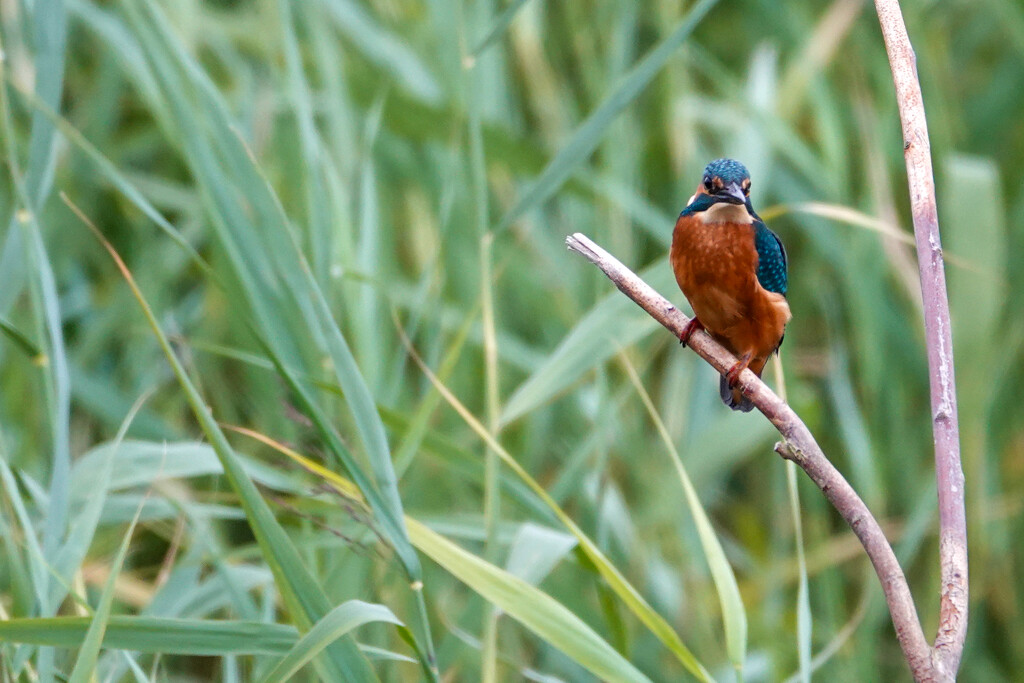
x=798 y=445
x=949 y=642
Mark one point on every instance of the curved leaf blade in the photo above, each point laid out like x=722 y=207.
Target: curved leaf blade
x=588 y=135
x=530 y=606
x=339 y=621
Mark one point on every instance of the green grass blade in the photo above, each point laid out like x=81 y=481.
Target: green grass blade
x=426 y=541
x=626 y=592
x=534 y=609
x=114 y=176
x=59 y=396
x=364 y=297
x=536 y=550
x=37 y=570
x=83 y=529
x=614 y=323
x=318 y=233
x=498 y=26
x=856 y=439
x=587 y=136
x=384 y=49
x=974 y=226
x=202 y=637
x=804 y=619
x=49 y=24
x=339 y=621
x=734 y=615
x=275 y=305
x=30 y=190
x=85 y=664
x=20 y=592
x=433 y=443
x=474 y=82
x=371 y=428
x=303 y=595
x=803 y=602
x=975 y=231
x=140 y=675
x=23 y=342
x=137 y=463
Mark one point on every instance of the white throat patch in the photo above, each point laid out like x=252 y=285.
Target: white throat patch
x=726 y=213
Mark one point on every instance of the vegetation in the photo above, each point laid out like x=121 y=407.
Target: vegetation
x=348 y=408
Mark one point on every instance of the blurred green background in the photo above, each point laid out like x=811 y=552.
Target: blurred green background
x=297 y=184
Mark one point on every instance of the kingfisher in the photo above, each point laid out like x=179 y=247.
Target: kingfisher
x=732 y=270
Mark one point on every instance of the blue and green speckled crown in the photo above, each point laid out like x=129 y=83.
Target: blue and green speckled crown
x=729 y=170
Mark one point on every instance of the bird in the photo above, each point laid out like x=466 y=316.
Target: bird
x=732 y=269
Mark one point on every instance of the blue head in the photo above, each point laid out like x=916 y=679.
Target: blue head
x=726 y=180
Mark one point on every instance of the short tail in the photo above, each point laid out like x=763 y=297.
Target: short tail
x=734 y=398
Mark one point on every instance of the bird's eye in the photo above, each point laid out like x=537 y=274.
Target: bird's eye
x=707 y=183
x=746 y=187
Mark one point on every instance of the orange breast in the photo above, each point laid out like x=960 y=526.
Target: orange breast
x=715 y=265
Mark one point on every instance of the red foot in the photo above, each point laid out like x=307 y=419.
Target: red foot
x=689 y=329
x=733 y=376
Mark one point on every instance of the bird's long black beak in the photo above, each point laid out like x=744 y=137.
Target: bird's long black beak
x=733 y=194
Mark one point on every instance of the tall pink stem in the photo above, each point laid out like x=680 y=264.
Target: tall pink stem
x=949 y=642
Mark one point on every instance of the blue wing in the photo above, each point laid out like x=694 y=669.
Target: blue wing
x=771 y=255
